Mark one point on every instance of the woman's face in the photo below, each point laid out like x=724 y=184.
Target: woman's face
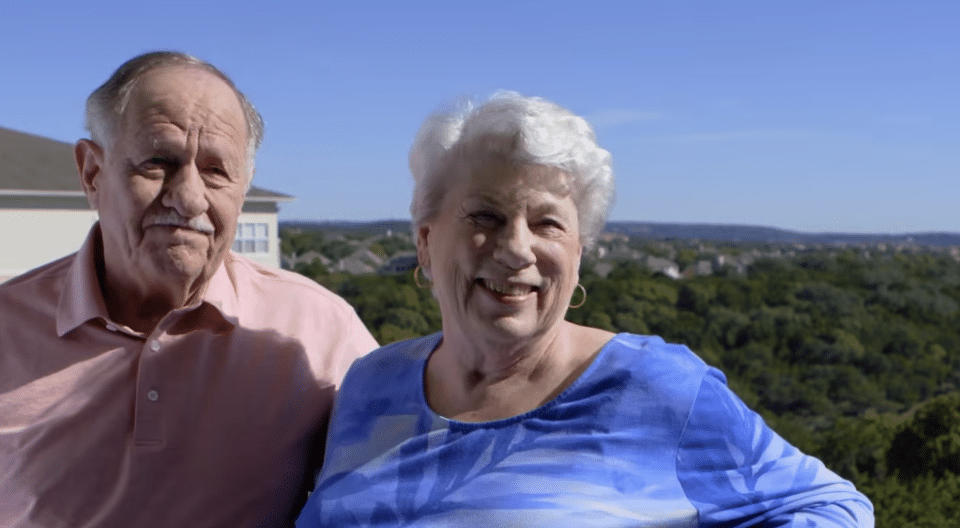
x=503 y=252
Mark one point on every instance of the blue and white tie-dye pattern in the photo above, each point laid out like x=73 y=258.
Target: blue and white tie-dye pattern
x=648 y=436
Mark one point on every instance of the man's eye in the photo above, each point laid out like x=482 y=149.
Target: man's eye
x=157 y=162
x=216 y=176
x=485 y=218
x=155 y=167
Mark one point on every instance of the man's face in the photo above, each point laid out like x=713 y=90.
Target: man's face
x=170 y=187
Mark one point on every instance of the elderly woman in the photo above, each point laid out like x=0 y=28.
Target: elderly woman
x=512 y=416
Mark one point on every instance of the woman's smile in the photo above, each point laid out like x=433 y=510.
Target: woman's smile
x=504 y=252
x=506 y=291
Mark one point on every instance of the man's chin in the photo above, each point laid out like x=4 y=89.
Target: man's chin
x=182 y=264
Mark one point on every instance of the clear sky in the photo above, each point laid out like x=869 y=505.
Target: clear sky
x=821 y=116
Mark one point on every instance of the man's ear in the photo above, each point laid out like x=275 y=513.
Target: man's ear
x=89 y=158
x=423 y=252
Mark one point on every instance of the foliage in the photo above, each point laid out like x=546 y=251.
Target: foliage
x=298 y=242
x=392 y=306
x=924 y=502
x=929 y=443
x=395 y=244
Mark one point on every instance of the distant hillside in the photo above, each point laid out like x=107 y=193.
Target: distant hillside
x=375 y=227
x=739 y=233
x=662 y=231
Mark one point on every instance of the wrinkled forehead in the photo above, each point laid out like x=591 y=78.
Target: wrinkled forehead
x=511 y=179
x=188 y=97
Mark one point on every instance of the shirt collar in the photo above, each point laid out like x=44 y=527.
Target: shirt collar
x=81 y=299
x=221 y=292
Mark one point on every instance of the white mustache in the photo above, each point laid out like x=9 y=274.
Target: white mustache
x=170 y=217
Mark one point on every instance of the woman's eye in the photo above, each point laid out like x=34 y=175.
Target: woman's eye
x=551 y=223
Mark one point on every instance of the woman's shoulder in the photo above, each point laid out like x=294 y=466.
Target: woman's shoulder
x=653 y=350
x=660 y=371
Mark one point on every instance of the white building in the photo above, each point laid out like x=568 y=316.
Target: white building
x=44 y=214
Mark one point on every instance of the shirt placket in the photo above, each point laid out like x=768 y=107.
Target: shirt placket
x=148 y=432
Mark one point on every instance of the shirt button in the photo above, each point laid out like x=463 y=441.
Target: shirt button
x=155 y=345
x=153 y=395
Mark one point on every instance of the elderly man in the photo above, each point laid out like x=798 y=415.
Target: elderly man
x=154 y=378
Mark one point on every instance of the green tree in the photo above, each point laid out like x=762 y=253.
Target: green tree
x=929 y=443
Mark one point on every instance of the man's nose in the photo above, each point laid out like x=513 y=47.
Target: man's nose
x=515 y=246
x=185 y=192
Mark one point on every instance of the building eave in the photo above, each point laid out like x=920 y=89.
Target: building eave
x=74 y=194
x=270 y=199
x=42 y=193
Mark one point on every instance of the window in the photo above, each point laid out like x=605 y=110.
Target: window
x=251 y=238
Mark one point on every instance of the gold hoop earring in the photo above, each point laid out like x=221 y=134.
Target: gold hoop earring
x=416 y=279
x=584 y=290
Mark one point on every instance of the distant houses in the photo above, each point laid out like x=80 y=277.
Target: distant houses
x=662 y=265
x=674 y=256
x=402 y=263
x=357 y=248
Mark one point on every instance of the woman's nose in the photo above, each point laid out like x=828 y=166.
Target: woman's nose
x=515 y=246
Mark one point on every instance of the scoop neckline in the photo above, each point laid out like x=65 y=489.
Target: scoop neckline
x=503 y=422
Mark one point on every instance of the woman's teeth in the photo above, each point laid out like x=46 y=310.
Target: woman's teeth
x=507 y=289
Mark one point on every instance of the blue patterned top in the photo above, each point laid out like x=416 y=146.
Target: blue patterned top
x=648 y=435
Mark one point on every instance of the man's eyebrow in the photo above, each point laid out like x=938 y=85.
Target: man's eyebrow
x=486 y=197
x=160 y=141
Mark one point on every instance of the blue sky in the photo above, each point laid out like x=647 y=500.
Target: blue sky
x=822 y=116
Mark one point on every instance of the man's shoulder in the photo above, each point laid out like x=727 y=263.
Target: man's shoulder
x=28 y=308
x=324 y=324
x=259 y=280
x=44 y=278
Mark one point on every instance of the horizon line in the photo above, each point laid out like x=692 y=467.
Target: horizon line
x=668 y=223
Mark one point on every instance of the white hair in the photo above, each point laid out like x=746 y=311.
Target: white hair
x=107 y=103
x=526 y=131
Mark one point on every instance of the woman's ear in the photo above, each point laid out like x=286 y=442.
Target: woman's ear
x=423 y=249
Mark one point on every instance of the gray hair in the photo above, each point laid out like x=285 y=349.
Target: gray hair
x=108 y=102
x=526 y=131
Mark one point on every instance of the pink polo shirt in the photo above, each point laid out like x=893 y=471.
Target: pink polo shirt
x=209 y=420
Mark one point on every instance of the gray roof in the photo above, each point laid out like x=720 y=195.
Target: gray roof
x=34 y=165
